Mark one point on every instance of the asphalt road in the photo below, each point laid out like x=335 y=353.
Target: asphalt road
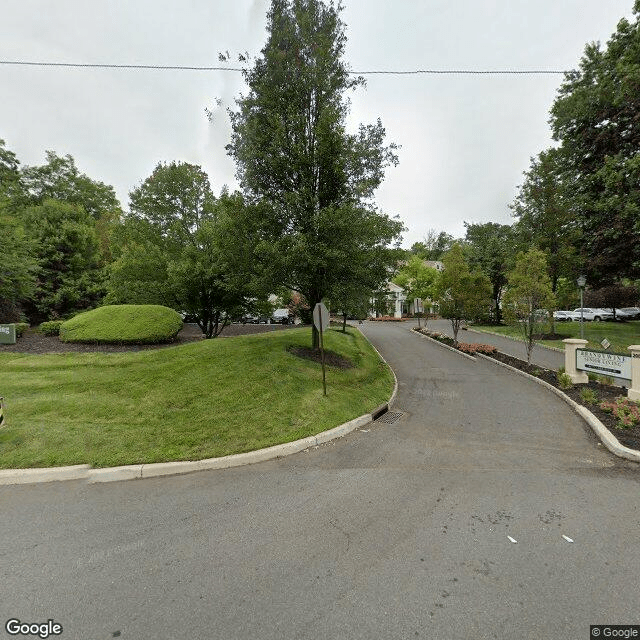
x=540 y=355
x=396 y=531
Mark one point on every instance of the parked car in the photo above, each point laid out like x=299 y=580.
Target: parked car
x=633 y=313
x=590 y=313
x=627 y=313
x=281 y=316
x=564 y=316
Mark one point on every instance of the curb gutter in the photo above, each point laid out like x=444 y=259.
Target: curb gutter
x=607 y=438
x=134 y=471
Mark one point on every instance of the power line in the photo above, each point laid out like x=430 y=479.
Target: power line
x=485 y=72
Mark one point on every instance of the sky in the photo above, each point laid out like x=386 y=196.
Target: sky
x=465 y=140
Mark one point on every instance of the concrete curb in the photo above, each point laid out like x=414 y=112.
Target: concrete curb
x=135 y=471
x=392 y=399
x=442 y=344
x=500 y=335
x=606 y=437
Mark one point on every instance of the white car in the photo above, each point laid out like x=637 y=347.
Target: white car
x=591 y=313
x=564 y=316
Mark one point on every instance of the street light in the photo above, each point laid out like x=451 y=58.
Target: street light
x=581 y=282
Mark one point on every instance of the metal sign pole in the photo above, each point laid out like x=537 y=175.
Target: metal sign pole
x=324 y=379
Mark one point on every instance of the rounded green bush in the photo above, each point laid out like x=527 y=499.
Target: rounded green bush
x=123 y=324
x=51 y=328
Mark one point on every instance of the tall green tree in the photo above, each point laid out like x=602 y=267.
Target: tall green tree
x=433 y=246
x=60 y=179
x=463 y=295
x=69 y=275
x=529 y=299
x=314 y=182
x=547 y=217
x=595 y=118
x=179 y=247
x=491 y=248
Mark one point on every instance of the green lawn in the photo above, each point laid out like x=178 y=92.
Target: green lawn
x=201 y=400
x=619 y=334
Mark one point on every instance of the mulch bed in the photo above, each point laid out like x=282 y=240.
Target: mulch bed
x=36 y=343
x=331 y=358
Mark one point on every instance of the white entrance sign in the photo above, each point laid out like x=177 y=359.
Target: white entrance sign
x=606 y=364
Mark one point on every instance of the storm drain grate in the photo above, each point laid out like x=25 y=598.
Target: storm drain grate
x=390 y=417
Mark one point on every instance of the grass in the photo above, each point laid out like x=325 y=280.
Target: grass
x=123 y=323
x=619 y=334
x=190 y=402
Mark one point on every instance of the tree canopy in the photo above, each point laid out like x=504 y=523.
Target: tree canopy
x=310 y=181
x=178 y=247
x=462 y=294
x=595 y=118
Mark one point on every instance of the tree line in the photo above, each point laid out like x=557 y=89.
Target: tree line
x=579 y=203
x=303 y=221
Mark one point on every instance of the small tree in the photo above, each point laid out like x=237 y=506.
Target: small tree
x=417 y=279
x=528 y=293
x=462 y=294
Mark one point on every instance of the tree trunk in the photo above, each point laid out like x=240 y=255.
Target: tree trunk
x=344 y=323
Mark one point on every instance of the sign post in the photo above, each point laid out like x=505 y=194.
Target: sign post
x=321 y=320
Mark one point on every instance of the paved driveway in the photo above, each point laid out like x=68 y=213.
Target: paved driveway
x=395 y=531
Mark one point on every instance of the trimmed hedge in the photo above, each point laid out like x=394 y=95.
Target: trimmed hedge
x=51 y=328
x=123 y=324
x=21 y=327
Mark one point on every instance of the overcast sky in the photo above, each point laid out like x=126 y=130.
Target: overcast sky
x=465 y=139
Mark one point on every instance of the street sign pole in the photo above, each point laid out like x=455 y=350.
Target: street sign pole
x=321 y=320
x=324 y=378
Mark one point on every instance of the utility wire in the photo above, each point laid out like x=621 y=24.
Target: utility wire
x=78 y=65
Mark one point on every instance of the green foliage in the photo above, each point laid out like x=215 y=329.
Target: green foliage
x=17 y=265
x=529 y=292
x=433 y=246
x=546 y=216
x=314 y=230
x=588 y=396
x=625 y=410
x=21 y=327
x=564 y=381
x=490 y=248
x=51 y=327
x=417 y=279
x=180 y=247
x=595 y=117
x=123 y=324
x=66 y=247
x=462 y=295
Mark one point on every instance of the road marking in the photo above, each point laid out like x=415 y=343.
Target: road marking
x=512 y=540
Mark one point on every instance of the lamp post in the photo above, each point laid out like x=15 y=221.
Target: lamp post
x=581 y=282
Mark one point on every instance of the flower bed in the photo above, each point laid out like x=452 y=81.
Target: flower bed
x=465 y=347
